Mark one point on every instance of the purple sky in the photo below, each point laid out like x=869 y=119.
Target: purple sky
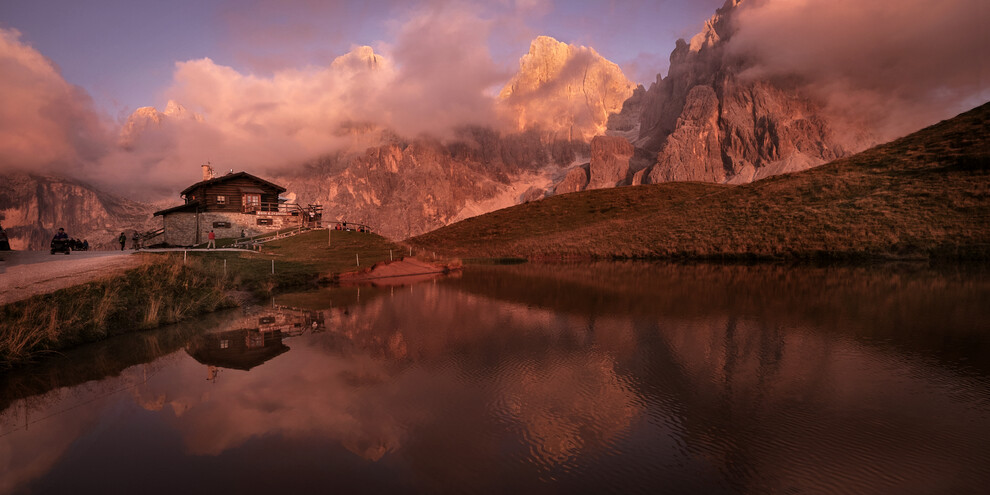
x=123 y=52
x=264 y=84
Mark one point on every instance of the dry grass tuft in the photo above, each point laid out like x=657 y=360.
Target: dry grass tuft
x=161 y=290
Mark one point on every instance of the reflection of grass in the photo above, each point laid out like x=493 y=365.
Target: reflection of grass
x=97 y=361
x=922 y=196
x=162 y=290
x=331 y=297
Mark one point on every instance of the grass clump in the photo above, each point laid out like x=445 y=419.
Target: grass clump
x=162 y=290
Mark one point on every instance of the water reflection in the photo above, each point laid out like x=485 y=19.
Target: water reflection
x=606 y=378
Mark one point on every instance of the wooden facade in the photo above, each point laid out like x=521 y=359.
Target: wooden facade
x=234 y=193
x=233 y=205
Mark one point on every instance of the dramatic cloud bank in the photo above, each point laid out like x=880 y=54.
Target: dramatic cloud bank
x=45 y=122
x=895 y=65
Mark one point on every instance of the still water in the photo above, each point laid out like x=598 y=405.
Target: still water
x=600 y=378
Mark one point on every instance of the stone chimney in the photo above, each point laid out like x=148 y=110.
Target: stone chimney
x=207 y=172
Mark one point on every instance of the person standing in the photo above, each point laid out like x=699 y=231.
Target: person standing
x=122 y=240
x=137 y=240
x=213 y=241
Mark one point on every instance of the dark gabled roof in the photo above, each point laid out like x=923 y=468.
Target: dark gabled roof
x=191 y=206
x=217 y=180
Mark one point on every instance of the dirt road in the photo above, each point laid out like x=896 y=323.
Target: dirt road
x=26 y=273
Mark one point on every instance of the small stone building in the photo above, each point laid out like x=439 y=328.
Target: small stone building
x=230 y=205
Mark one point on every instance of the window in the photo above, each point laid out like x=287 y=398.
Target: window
x=221 y=199
x=264 y=221
x=224 y=344
x=251 y=202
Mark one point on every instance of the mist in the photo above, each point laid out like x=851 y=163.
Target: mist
x=896 y=66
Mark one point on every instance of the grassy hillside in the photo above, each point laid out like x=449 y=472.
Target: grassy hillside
x=926 y=195
x=301 y=260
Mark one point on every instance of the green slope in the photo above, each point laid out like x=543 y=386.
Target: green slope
x=926 y=195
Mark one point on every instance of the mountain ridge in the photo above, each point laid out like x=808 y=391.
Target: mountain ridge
x=923 y=196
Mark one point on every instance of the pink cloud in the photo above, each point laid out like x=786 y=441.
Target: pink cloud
x=45 y=122
x=898 y=65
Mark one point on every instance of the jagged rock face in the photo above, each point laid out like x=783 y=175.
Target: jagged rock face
x=610 y=156
x=575 y=180
x=145 y=118
x=32 y=208
x=693 y=152
x=706 y=122
x=404 y=188
x=565 y=89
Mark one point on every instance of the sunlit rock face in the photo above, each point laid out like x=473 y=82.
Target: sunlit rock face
x=708 y=121
x=148 y=118
x=32 y=208
x=403 y=188
x=566 y=89
x=610 y=156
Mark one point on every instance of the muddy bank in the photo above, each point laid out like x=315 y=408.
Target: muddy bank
x=401 y=271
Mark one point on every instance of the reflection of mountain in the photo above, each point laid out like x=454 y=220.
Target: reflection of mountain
x=237 y=349
x=576 y=379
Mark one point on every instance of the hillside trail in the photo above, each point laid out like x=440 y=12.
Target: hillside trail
x=27 y=273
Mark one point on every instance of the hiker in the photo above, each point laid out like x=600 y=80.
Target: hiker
x=122 y=240
x=4 y=241
x=137 y=240
x=85 y=245
x=242 y=234
x=213 y=241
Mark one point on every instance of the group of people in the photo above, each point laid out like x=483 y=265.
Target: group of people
x=359 y=228
x=74 y=244
x=122 y=239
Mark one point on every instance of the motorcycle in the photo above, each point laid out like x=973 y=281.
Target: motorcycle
x=61 y=246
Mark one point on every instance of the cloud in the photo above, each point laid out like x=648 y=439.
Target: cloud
x=435 y=77
x=900 y=65
x=45 y=122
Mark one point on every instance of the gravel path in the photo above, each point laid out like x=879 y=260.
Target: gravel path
x=27 y=273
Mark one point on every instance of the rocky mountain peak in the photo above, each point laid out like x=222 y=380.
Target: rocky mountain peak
x=706 y=122
x=565 y=89
x=360 y=58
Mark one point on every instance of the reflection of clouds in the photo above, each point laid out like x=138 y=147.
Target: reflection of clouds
x=455 y=389
x=798 y=409
x=566 y=405
x=36 y=432
x=354 y=385
x=299 y=398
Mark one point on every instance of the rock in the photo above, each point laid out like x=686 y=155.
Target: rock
x=693 y=151
x=575 y=180
x=33 y=207
x=610 y=156
x=565 y=89
x=707 y=121
x=533 y=194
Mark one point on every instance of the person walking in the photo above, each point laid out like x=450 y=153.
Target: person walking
x=122 y=240
x=213 y=241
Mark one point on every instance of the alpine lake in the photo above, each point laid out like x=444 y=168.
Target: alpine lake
x=612 y=377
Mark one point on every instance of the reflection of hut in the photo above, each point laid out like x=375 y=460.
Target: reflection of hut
x=241 y=349
x=290 y=322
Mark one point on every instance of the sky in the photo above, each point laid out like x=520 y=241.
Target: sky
x=269 y=84
x=124 y=52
